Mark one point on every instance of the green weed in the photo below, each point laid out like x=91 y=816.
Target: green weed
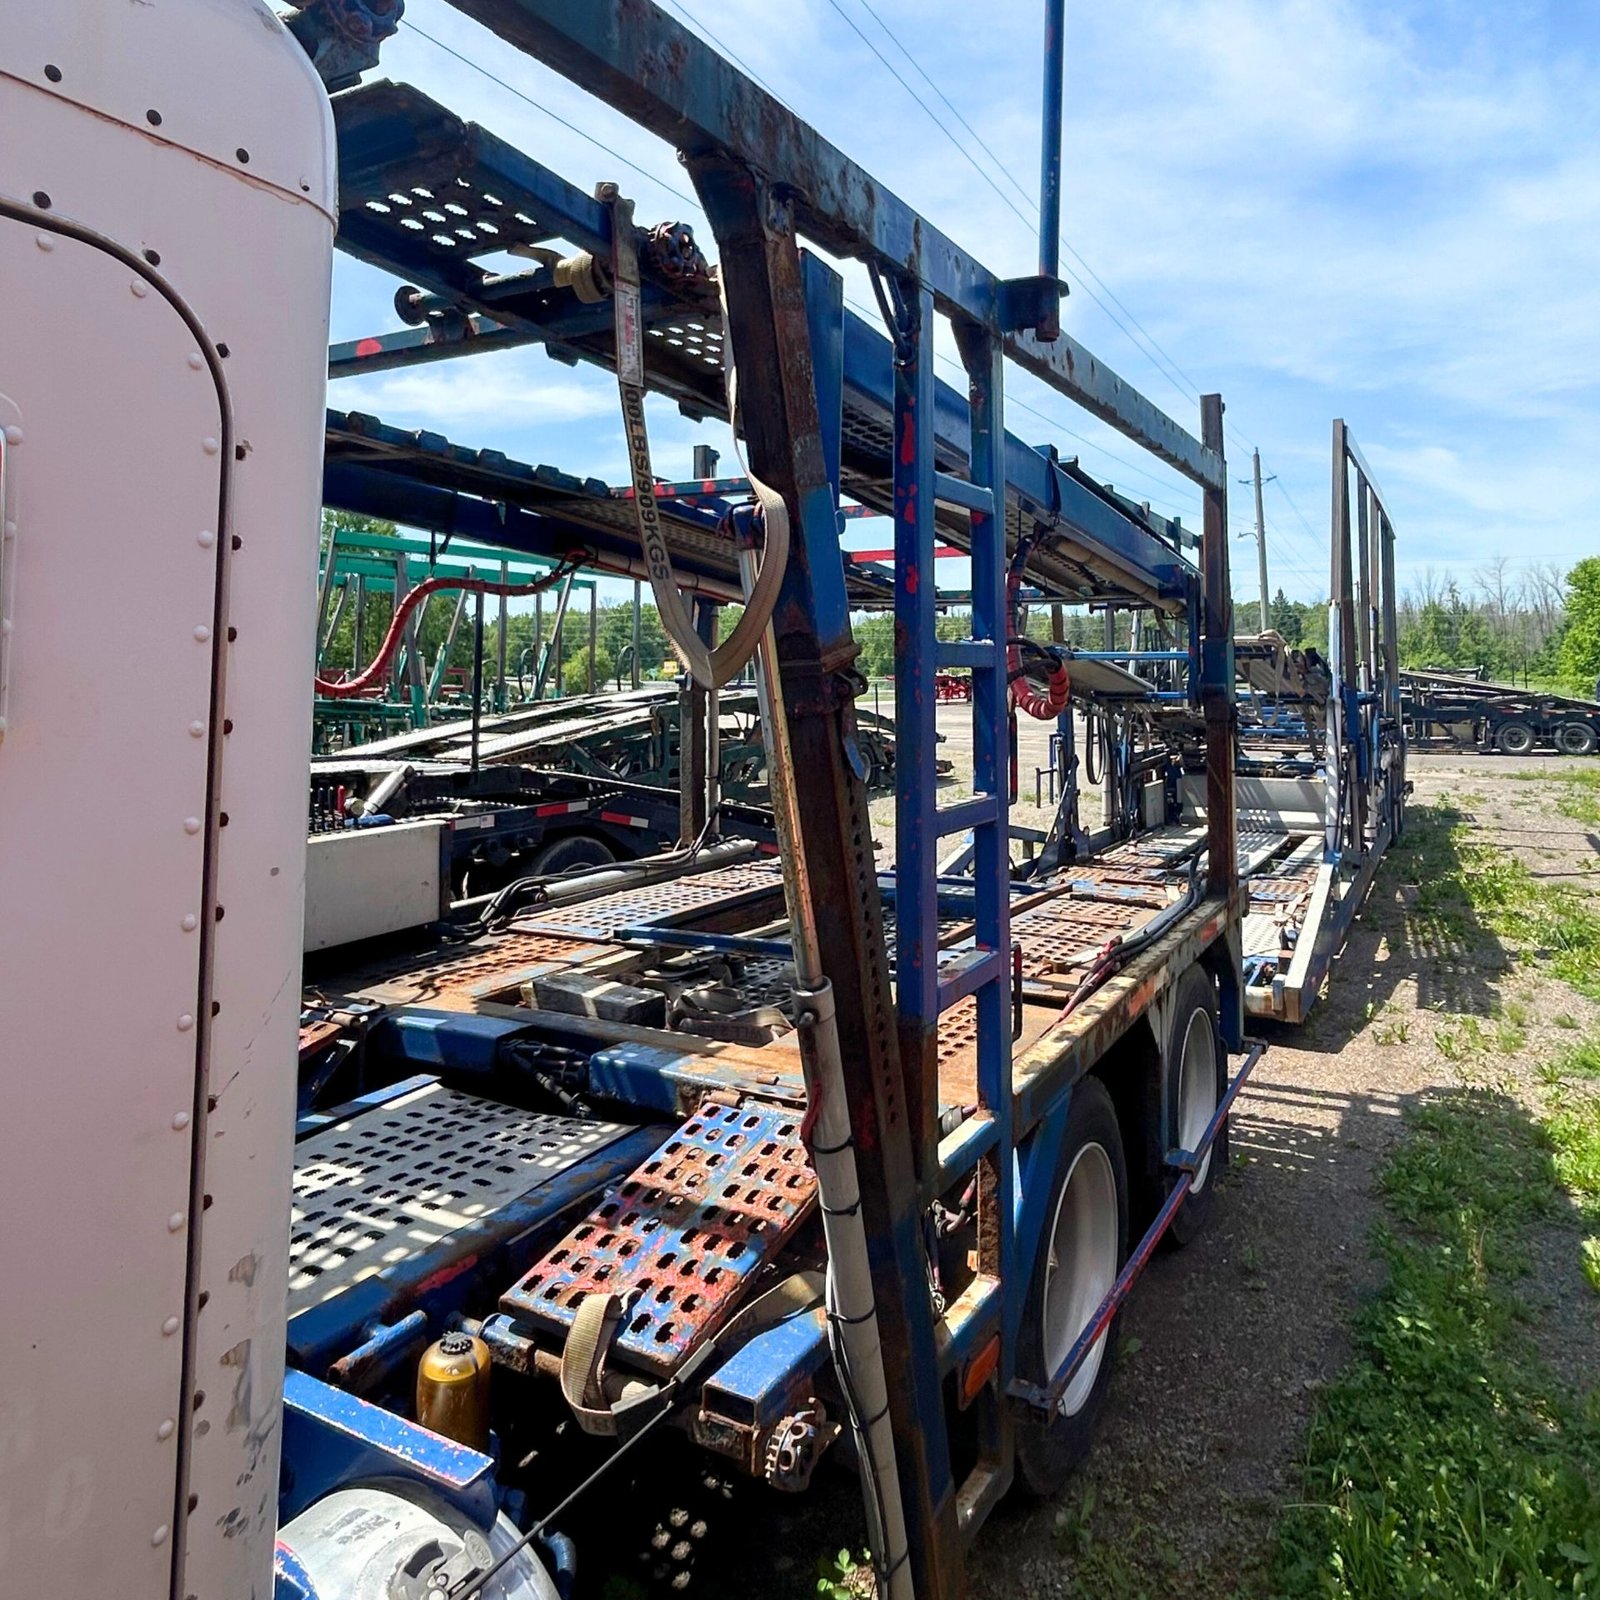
x=1447 y=1461
x=846 y=1577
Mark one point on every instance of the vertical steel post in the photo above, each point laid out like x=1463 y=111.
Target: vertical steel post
x=1353 y=817
x=786 y=323
x=638 y=608
x=1390 y=622
x=1050 y=157
x=1363 y=616
x=325 y=588
x=916 y=845
x=477 y=679
x=358 y=648
x=500 y=700
x=1216 y=669
x=991 y=756
x=538 y=647
x=1372 y=618
x=594 y=633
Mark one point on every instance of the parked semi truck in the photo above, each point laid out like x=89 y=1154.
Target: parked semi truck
x=793 y=1159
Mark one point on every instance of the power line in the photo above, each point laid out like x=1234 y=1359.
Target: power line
x=1155 y=351
x=571 y=127
x=690 y=199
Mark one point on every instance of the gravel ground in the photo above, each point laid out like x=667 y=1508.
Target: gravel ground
x=1227 y=1343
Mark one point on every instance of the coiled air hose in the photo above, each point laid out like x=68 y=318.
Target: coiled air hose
x=1047 y=704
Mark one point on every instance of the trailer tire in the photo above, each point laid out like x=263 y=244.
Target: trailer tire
x=1187 y=1090
x=1081 y=1249
x=1514 y=739
x=1576 y=739
x=568 y=854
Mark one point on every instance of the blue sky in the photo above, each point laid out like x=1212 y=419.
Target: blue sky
x=1389 y=212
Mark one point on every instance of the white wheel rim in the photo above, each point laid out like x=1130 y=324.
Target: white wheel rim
x=1197 y=1088
x=1080 y=1268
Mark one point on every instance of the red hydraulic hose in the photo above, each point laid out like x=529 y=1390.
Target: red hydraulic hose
x=362 y=682
x=1045 y=707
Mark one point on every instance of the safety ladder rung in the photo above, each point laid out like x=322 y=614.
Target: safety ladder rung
x=967 y=1321
x=967 y=973
x=958 y=492
x=980 y=812
x=964 y=1147
x=977 y=653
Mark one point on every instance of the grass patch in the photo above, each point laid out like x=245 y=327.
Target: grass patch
x=1448 y=1460
x=1466 y=889
x=1580 y=796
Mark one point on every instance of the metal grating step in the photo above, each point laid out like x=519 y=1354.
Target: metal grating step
x=681 y=1237
x=396 y=1182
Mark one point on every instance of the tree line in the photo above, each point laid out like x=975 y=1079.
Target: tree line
x=1536 y=623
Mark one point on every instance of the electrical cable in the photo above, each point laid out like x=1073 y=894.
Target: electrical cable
x=476 y=1583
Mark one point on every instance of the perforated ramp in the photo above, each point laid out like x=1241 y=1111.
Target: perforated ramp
x=395 y=1183
x=680 y=1238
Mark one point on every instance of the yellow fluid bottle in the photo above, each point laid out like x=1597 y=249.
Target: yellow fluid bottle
x=453 y=1389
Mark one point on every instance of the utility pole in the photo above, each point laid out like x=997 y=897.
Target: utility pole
x=1261 y=537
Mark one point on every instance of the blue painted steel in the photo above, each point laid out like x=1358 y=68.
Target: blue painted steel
x=758 y=1382
x=331 y=1439
x=667 y=1080
x=668 y=79
x=915 y=612
x=689 y=939
x=380 y=1355
x=991 y=620
x=1055 y=22
x=312 y=1121
x=459 y=1040
x=467 y=1265
x=1037 y=485
x=825 y=318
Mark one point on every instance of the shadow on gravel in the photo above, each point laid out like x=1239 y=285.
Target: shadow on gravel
x=1418 y=924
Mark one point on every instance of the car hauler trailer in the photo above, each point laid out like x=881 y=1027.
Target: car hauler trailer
x=1464 y=711
x=785 y=1154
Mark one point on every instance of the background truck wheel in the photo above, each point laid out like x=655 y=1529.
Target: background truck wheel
x=568 y=854
x=1180 y=1098
x=1081 y=1248
x=1514 y=739
x=1576 y=739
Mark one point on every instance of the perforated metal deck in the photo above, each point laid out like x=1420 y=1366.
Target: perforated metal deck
x=395 y=1182
x=679 y=1239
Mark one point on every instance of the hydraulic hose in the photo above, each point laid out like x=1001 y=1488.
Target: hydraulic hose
x=373 y=674
x=1048 y=704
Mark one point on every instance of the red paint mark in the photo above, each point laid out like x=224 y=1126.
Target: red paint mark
x=369 y=347
x=911 y=580
x=446 y=1275
x=908 y=438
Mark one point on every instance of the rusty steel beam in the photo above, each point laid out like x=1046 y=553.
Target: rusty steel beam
x=820 y=805
x=1344 y=599
x=1216 y=670
x=635 y=57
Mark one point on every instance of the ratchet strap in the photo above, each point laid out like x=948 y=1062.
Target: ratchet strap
x=583 y=1361
x=710 y=667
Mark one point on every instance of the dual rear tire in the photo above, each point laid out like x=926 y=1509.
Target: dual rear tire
x=1094 y=1203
